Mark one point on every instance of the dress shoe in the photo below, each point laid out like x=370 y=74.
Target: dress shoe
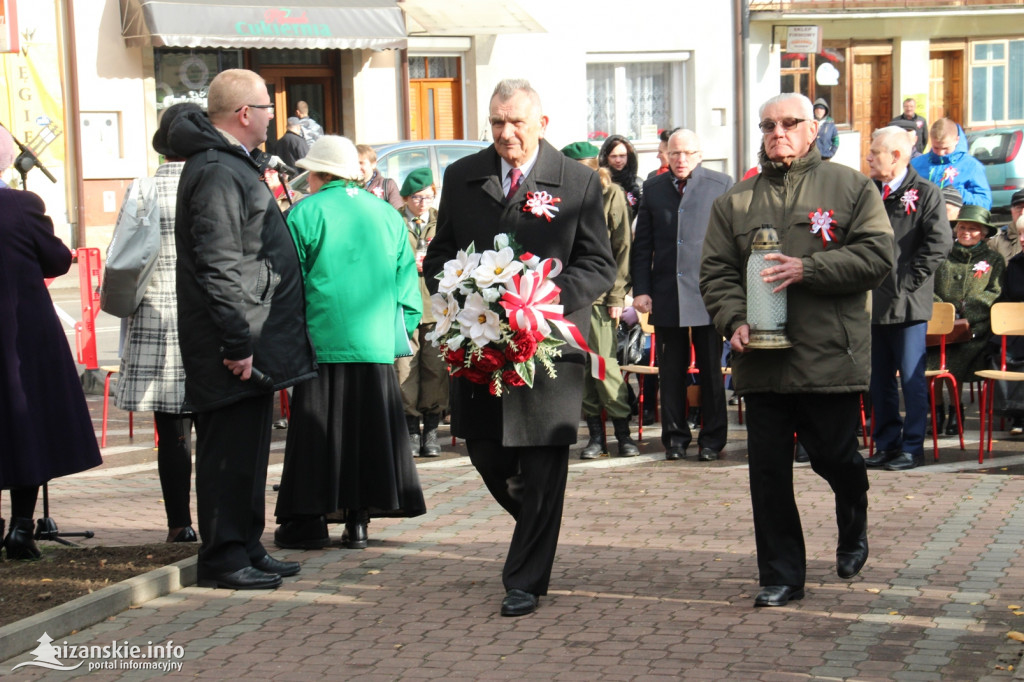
x=675 y=453
x=429 y=445
x=778 y=595
x=801 y=456
x=904 y=461
x=707 y=455
x=953 y=424
x=285 y=569
x=881 y=458
x=247 y=578
x=281 y=424
x=852 y=550
x=693 y=419
x=850 y=560
x=940 y=420
x=355 y=535
x=649 y=417
x=183 y=534
x=305 y=533
x=19 y=542
x=518 y=603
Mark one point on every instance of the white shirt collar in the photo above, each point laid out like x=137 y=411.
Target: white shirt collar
x=895 y=183
x=506 y=181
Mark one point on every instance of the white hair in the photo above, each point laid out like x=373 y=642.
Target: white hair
x=895 y=138
x=807 y=109
x=687 y=135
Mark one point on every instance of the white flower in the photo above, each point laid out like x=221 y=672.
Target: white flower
x=501 y=241
x=481 y=323
x=496 y=267
x=492 y=294
x=456 y=270
x=445 y=308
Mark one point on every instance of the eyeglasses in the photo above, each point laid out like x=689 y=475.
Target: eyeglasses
x=787 y=124
x=255 y=106
x=676 y=155
x=418 y=199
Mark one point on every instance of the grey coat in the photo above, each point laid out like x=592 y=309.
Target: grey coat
x=668 y=243
x=473 y=210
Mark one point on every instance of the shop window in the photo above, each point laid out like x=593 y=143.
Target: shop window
x=433 y=67
x=185 y=75
x=290 y=57
x=635 y=99
x=997 y=81
x=819 y=75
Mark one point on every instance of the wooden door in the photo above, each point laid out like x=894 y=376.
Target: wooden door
x=435 y=109
x=946 y=86
x=288 y=86
x=872 y=98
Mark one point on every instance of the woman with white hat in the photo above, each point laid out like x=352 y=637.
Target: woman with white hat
x=347 y=445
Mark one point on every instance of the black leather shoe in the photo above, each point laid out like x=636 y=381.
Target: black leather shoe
x=852 y=519
x=285 y=569
x=19 y=542
x=707 y=455
x=881 y=458
x=675 y=453
x=183 y=534
x=904 y=461
x=355 y=535
x=302 y=534
x=801 y=456
x=778 y=595
x=850 y=560
x=518 y=603
x=247 y=578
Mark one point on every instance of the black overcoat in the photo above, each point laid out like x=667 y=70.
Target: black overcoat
x=45 y=428
x=473 y=210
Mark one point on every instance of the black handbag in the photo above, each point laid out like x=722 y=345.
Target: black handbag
x=630 y=346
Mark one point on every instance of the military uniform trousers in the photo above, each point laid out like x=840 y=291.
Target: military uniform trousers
x=609 y=394
x=423 y=376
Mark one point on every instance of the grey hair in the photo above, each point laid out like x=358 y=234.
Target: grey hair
x=807 y=109
x=895 y=139
x=687 y=135
x=508 y=87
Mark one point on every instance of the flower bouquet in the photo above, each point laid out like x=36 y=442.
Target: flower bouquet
x=495 y=311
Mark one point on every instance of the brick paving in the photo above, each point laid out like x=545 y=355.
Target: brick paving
x=654 y=579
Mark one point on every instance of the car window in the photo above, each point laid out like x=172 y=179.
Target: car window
x=448 y=155
x=399 y=163
x=989 y=147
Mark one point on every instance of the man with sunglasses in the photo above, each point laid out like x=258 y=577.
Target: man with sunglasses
x=836 y=246
x=242 y=323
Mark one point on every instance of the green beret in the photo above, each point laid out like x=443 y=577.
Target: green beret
x=417 y=180
x=580 y=150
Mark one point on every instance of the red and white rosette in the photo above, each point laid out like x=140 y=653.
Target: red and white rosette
x=980 y=268
x=909 y=201
x=821 y=224
x=528 y=303
x=541 y=204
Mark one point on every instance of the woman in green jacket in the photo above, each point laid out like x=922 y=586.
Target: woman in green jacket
x=347 y=449
x=971 y=279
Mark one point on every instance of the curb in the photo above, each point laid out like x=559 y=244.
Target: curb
x=90 y=609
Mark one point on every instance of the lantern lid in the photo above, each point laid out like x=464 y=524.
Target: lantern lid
x=766 y=239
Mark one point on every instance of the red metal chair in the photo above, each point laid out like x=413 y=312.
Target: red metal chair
x=941 y=324
x=641 y=371
x=1007 y=320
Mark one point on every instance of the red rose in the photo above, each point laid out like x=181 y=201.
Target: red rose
x=511 y=378
x=489 y=360
x=473 y=374
x=456 y=358
x=522 y=347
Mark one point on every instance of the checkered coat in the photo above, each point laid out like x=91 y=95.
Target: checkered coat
x=152 y=376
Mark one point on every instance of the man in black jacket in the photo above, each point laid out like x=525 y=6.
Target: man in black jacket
x=902 y=304
x=240 y=304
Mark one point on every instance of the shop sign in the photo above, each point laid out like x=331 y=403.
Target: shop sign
x=283 y=21
x=806 y=39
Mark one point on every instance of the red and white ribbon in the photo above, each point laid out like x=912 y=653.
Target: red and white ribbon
x=541 y=204
x=909 y=201
x=980 y=268
x=528 y=303
x=821 y=224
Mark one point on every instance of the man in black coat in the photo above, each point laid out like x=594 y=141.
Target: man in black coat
x=520 y=442
x=665 y=264
x=240 y=309
x=902 y=304
x=292 y=146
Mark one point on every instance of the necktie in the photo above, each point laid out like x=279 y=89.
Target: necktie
x=680 y=185
x=885 y=192
x=516 y=177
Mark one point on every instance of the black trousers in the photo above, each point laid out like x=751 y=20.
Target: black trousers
x=673 y=357
x=174 y=464
x=826 y=424
x=530 y=484
x=232 y=450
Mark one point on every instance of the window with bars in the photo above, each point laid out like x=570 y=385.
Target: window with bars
x=635 y=99
x=997 y=81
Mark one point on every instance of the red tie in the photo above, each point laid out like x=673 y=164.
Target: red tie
x=885 y=192
x=516 y=176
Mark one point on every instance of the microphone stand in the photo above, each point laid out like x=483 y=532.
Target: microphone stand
x=26 y=161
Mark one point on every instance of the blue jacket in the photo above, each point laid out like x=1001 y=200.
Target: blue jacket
x=968 y=175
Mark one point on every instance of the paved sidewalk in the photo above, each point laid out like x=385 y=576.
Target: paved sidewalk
x=654 y=580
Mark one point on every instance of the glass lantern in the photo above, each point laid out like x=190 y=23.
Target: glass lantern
x=766 y=310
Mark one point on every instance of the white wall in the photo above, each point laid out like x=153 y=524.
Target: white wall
x=377 y=107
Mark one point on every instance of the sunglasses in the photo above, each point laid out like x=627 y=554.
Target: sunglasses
x=255 y=106
x=787 y=124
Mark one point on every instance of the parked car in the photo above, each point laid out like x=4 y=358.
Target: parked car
x=397 y=159
x=999 y=150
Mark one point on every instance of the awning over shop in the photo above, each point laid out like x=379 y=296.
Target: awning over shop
x=467 y=17
x=319 y=24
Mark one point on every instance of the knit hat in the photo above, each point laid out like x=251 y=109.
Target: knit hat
x=1017 y=198
x=580 y=150
x=335 y=155
x=951 y=195
x=171 y=114
x=976 y=214
x=7 y=149
x=419 y=179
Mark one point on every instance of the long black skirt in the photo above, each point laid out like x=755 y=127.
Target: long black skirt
x=348 y=446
